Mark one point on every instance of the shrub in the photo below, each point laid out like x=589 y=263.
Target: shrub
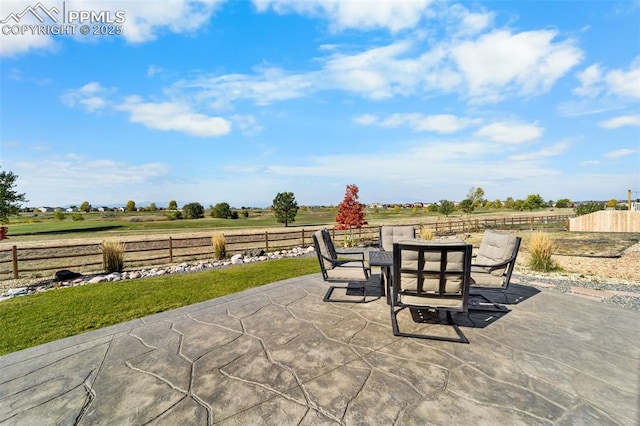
x=193 y=211
x=219 y=246
x=541 y=249
x=174 y=215
x=426 y=233
x=113 y=254
x=77 y=217
x=221 y=211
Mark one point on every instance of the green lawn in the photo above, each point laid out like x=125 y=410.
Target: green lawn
x=97 y=224
x=44 y=317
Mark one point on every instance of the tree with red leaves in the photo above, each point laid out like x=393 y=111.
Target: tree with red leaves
x=350 y=214
x=3 y=233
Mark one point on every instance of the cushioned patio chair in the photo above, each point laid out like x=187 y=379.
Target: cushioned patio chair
x=393 y=234
x=341 y=267
x=493 y=265
x=428 y=278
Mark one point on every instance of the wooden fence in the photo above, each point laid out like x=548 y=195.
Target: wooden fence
x=43 y=261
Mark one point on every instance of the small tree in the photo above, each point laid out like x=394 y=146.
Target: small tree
x=193 y=211
x=85 y=207
x=563 y=203
x=173 y=205
x=153 y=207
x=131 y=206
x=533 y=202
x=221 y=211
x=476 y=196
x=350 y=214
x=467 y=206
x=590 y=207
x=9 y=199
x=446 y=207
x=285 y=207
x=58 y=215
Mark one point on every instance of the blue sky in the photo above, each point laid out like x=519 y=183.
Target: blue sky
x=416 y=100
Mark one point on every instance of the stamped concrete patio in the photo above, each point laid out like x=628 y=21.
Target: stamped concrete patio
x=279 y=355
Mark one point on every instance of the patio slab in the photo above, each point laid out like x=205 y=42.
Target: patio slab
x=279 y=355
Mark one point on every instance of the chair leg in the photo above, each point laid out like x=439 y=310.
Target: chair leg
x=396 y=330
x=327 y=296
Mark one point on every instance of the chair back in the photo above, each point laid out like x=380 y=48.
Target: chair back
x=501 y=250
x=322 y=251
x=432 y=273
x=393 y=234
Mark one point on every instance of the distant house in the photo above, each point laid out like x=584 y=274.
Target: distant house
x=45 y=209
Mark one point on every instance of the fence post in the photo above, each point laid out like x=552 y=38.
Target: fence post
x=302 y=237
x=266 y=241
x=14 y=255
x=170 y=250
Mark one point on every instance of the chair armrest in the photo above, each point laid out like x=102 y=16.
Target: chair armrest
x=339 y=262
x=495 y=265
x=359 y=254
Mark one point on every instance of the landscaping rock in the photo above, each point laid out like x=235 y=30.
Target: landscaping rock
x=76 y=279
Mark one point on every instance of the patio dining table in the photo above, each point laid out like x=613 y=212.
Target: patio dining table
x=383 y=259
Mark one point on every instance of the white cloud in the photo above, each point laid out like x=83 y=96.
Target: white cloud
x=595 y=80
x=357 y=14
x=469 y=23
x=266 y=86
x=621 y=121
x=549 y=151
x=526 y=63
x=625 y=84
x=511 y=132
x=589 y=163
x=84 y=179
x=174 y=116
x=439 y=123
x=365 y=119
x=590 y=81
x=620 y=153
x=91 y=97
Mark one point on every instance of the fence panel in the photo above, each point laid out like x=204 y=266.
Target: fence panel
x=43 y=261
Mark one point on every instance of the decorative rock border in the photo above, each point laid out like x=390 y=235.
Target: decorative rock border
x=183 y=268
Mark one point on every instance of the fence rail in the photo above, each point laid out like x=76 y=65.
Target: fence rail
x=16 y=262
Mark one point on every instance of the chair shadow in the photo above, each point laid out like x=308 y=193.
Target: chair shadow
x=479 y=318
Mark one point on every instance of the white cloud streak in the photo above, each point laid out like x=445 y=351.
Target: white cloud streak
x=174 y=116
x=621 y=121
x=511 y=132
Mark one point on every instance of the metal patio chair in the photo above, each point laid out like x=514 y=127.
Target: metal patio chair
x=492 y=267
x=341 y=267
x=428 y=278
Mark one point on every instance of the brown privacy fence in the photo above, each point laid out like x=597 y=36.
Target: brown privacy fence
x=43 y=261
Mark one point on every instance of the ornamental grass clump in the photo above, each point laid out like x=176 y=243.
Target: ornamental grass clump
x=219 y=246
x=541 y=249
x=113 y=255
x=426 y=233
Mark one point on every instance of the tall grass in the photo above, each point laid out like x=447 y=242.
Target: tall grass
x=219 y=246
x=113 y=254
x=425 y=233
x=541 y=251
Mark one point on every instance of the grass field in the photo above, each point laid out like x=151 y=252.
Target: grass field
x=52 y=315
x=43 y=226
